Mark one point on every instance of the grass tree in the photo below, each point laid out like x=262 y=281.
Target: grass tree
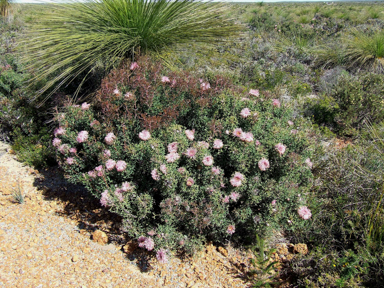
x=366 y=50
x=69 y=40
x=4 y=7
x=358 y=50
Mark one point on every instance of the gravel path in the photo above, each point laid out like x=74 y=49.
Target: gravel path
x=47 y=241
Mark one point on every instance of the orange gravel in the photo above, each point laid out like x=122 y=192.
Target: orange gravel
x=46 y=241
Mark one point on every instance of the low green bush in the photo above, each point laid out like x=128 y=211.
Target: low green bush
x=21 y=123
x=351 y=100
x=346 y=236
x=184 y=160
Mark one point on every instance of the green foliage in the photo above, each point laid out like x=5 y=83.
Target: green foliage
x=358 y=50
x=72 y=40
x=267 y=79
x=263 y=266
x=363 y=49
x=33 y=149
x=348 y=217
x=188 y=195
x=18 y=193
x=20 y=121
x=323 y=110
x=10 y=79
x=329 y=268
x=375 y=235
x=329 y=56
x=351 y=101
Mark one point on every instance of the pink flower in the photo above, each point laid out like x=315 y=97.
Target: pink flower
x=226 y=199
x=217 y=144
x=163 y=169
x=190 y=182
x=181 y=170
x=172 y=157
x=85 y=106
x=119 y=194
x=56 y=142
x=99 y=168
x=191 y=153
x=205 y=86
x=215 y=170
x=165 y=79
x=238 y=132
x=304 y=212
x=128 y=95
x=172 y=147
x=116 y=92
x=245 y=113
x=239 y=176
x=208 y=160
x=73 y=150
x=257 y=143
x=155 y=175
x=244 y=99
x=104 y=200
x=144 y=135
x=63 y=148
x=126 y=186
x=276 y=103
x=141 y=241
x=273 y=202
x=134 y=66
x=290 y=123
x=151 y=233
x=254 y=92
x=59 y=131
x=110 y=164
x=121 y=165
x=280 y=148
x=161 y=256
x=100 y=173
x=149 y=244
x=190 y=134
x=203 y=144
x=110 y=138
x=92 y=174
x=294 y=131
x=231 y=229
x=82 y=136
x=247 y=137
x=107 y=153
x=70 y=160
x=94 y=122
x=309 y=163
x=235 y=182
x=263 y=164
x=234 y=196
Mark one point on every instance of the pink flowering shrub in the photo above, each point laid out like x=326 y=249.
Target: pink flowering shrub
x=187 y=162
